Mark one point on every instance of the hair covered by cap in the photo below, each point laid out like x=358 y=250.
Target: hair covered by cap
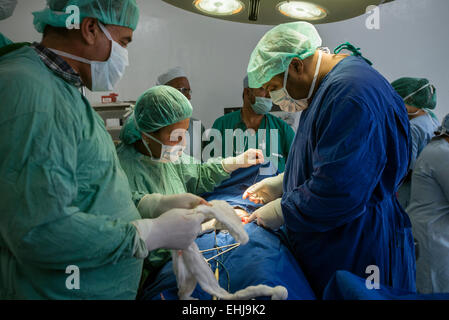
x=123 y=13
x=415 y=92
x=275 y=51
x=156 y=108
x=174 y=73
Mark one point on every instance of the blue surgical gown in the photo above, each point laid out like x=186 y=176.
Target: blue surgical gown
x=348 y=158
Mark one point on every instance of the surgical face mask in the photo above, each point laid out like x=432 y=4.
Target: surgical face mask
x=262 y=105
x=283 y=99
x=413 y=113
x=168 y=153
x=105 y=74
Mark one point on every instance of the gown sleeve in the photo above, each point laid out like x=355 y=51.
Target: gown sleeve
x=203 y=177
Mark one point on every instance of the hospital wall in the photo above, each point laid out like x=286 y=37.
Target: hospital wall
x=411 y=41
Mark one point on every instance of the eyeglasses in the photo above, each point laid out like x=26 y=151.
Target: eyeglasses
x=185 y=91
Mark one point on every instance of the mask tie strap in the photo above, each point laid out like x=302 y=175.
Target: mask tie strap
x=315 y=77
x=415 y=92
x=355 y=51
x=70 y=56
x=143 y=140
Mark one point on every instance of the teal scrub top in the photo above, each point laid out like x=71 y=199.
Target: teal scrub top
x=66 y=202
x=263 y=138
x=4 y=41
x=188 y=176
x=147 y=176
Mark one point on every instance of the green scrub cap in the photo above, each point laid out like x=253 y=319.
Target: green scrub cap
x=416 y=92
x=275 y=51
x=158 y=107
x=123 y=13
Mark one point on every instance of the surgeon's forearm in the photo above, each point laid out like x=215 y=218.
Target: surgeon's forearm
x=211 y=175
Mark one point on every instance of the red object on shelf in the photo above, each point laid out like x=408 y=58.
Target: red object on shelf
x=109 y=99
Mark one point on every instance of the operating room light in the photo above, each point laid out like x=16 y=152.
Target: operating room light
x=219 y=7
x=302 y=10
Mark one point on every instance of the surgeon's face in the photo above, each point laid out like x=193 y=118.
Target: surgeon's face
x=182 y=84
x=298 y=81
x=250 y=94
x=174 y=134
x=171 y=135
x=98 y=46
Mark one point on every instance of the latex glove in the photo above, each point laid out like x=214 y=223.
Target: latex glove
x=153 y=205
x=247 y=159
x=175 y=229
x=269 y=216
x=209 y=225
x=266 y=190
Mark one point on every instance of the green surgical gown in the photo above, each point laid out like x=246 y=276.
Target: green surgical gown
x=149 y=176
x=65 y=199
x=279 y=154
x=4 y=41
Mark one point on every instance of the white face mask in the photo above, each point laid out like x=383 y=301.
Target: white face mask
x=168 y=153
x=413 y=113
x=105 y=74
x=283 y=99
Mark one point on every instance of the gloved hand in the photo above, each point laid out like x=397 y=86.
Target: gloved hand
x=175 y=229
x=247 y=159
x=269 y=216
x=153 y=205
x=266 y=190
x=209 y=225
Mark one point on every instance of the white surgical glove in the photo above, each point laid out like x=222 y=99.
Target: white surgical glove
x=175 y=229
x=247 y=159
x=153 y=205
x=269 y=216
x=266 y=190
